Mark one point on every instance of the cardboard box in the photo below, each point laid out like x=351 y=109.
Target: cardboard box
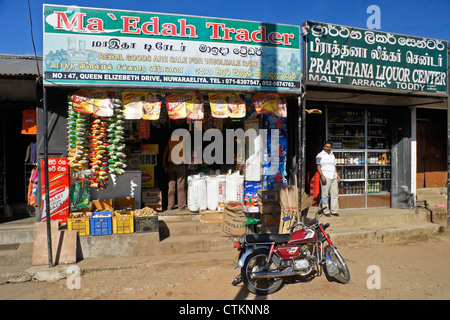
x=152 y=195
x=102 y=205
x=124 y=204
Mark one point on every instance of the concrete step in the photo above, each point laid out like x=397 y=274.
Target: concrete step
x=372 y=217
x=20 y=255
x=399 y=232
x=18 y=231
x=168 y=228
x=194 y=243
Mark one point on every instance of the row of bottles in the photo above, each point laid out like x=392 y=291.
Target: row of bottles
x=343 y=130
x=347 y=143
x=352 y=117
x=379 y=158
x=350 y=158
x=352 y=173
x=359 y=187
x=358 y=173
x=379 y=173
x=376 y=131
x=358 y=158
x=378 y=143
x=352 y=188
x=374 y=118
x=376 y=187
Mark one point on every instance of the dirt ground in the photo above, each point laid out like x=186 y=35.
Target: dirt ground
x=414 y=269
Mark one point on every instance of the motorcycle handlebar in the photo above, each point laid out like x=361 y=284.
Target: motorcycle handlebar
x=313 y=222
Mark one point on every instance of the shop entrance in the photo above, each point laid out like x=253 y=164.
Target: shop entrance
x=431 y=148
x=16 y=163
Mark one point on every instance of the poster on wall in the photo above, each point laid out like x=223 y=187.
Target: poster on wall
x=94 y=101
x=141 y=105
x=194 y=106
x=344 y=56
x=118 y=48
x=176 y=104
x=58 y=176
x=230 y=104
x=270 y=103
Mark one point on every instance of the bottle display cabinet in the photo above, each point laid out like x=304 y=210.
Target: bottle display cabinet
x=362 y=148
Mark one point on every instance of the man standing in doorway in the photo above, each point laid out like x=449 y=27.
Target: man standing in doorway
x=329 y=178
x=176 y=169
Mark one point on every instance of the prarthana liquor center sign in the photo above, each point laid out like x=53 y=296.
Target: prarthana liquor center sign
x=88 y=46
x=345 y=56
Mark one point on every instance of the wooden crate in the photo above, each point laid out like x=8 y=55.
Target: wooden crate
x=210 y=216
x=270 y=209
x=271 y=219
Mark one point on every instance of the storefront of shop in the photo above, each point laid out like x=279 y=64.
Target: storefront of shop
x=366 y=89
x=119 y=85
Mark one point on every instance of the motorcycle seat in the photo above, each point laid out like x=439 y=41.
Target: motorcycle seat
x=277 y=238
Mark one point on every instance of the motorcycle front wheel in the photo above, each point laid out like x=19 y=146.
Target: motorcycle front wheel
x=257 y=262
x=343 y=273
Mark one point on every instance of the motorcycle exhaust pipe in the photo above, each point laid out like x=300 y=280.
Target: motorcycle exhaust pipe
x=265 y=275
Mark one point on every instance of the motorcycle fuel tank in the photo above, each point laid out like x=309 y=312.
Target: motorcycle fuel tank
x=303 y=236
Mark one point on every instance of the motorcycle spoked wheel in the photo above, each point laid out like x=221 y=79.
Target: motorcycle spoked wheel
x=343 y=275
x=257 y=262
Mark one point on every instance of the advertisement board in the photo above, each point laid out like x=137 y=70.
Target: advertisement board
x=58 y=176
x=345 y=56
x=117 y=48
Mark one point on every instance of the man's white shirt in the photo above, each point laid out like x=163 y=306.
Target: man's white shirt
x=327 y=162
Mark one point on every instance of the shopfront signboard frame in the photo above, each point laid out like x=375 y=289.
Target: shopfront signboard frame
x=347 y=57
x=86 y=47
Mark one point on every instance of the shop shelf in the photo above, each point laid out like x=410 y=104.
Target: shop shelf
x=101 y=223
x=123 y=222
x=79 y=224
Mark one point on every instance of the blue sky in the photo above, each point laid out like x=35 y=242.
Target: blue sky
x=410 y=17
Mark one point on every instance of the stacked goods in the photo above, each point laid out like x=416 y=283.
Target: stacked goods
x=234 y=220
x=105 y=138
x=152 y=198
x=98 y=156
x=269 y=203
x=77 y=128
x=101 y=217
x=116 y=162
x=145 y=212
x=146 y=220
x=79 y=221
x=123 y=222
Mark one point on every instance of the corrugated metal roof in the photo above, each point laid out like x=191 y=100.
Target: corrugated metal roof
x=18 y=65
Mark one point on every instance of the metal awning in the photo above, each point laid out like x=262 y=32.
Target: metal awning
x=372 y=97
x=18 y=77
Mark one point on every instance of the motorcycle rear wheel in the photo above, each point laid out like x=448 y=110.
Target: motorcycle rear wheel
x=257 y=262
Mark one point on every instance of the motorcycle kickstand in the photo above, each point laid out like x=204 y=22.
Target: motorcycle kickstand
x=237 y=280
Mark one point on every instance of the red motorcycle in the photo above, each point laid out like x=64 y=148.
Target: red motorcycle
x=266 y=259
